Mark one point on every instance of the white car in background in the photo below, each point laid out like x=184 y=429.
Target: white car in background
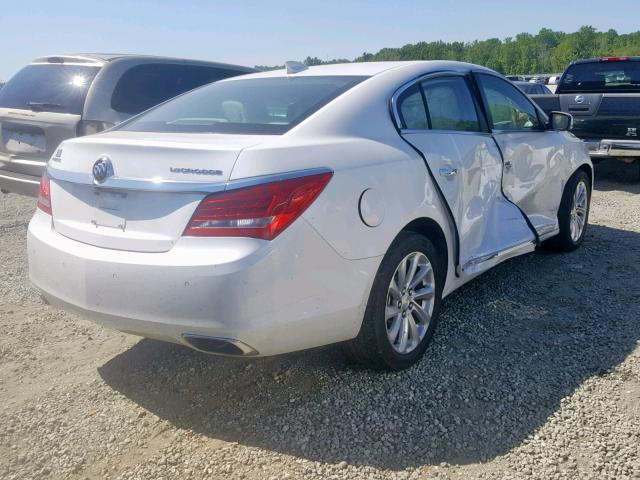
x=296 y=208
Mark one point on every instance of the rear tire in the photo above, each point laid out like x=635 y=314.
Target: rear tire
x=403 y=307
x=573 y=215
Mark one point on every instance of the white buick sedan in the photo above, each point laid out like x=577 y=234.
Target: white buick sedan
x=296 y=208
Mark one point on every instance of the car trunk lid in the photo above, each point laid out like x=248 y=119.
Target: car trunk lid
x=154 y=188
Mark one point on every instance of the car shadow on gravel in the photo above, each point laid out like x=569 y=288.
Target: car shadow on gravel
x=614 y=174
x=510 y=346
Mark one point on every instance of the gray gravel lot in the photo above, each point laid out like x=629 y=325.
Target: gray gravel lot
x=534 y=373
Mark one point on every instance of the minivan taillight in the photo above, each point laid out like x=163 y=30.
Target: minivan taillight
x=44 y=194
x=89 y=127
x=613 y=59
x=259 y=211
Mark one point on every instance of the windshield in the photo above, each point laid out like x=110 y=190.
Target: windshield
x=252 y=106
x=49 y=87
x=606 y=76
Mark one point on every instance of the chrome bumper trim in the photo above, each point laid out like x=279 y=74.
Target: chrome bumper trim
x=175 y=186
x=613 y=148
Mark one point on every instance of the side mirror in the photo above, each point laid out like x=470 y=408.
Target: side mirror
x=560 y=121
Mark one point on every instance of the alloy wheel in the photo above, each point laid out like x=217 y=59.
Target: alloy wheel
x=410 y=302
x=579 y=205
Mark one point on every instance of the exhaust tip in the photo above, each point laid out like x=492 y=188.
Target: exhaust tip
x=218 y=346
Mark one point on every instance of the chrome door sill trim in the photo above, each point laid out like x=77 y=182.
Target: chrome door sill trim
x=478 y=264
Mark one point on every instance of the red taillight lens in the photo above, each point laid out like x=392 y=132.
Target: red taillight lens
x=261 y=211
x=613 y=59
x=44 y=194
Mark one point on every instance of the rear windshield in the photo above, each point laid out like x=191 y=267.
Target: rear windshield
x=623 y=76
x=50 y=88
x=251 y=106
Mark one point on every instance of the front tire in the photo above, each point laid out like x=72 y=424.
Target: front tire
x=573 y=215
x=403 y=307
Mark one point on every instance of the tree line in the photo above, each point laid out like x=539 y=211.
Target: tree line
x=548 y=51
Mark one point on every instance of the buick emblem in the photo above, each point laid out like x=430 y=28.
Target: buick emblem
x=579 y=99
x=102 y=169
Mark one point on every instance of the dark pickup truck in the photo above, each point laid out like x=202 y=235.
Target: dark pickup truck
x=603 y=95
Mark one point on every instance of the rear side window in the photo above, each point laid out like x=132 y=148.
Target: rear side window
x=509 y=108
x=270 y=105
x=450 y=105
x=413 y=114
x=620 y=76
x=49 y=87
x=145 y=86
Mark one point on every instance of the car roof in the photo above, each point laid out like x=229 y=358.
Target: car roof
x=101 y=59
x=370 y=69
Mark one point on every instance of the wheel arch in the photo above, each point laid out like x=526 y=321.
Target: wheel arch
x=588 y=169
x=429 y=228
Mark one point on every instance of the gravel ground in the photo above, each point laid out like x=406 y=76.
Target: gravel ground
x=534 y=373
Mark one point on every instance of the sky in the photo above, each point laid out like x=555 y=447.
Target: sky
x=269 y=32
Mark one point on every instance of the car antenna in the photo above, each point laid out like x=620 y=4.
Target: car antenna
x=294 y=67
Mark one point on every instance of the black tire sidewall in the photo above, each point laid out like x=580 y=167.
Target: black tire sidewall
x=564 y=215
x=406 y=243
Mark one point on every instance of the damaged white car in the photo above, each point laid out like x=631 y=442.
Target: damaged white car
x=290 y=209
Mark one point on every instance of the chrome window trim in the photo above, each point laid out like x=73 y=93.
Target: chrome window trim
x=533 y=130
x=177 y=186
x=413 y=131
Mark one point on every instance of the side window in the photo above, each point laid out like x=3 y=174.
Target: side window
x=450 y=104
x=508 y=107
x=145 y=86
x=411 y=109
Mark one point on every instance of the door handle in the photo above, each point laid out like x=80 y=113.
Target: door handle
x=508 y=165
x=448 y=172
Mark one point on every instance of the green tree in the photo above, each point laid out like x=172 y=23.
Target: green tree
x=548 y=51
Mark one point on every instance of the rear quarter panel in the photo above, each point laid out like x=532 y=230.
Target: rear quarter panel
x=356 y=138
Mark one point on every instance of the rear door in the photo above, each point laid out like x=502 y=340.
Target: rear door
x=533 y=155
x=39 y=108
x=440 y=118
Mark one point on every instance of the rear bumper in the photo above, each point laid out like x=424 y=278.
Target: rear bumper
x=613 y=148
x=19 y=183
x=21 y=175
x=274 y=297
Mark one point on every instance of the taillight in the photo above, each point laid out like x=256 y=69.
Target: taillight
x=260 y=211
x=613 y=59
x=44 y=194
x=89 y=127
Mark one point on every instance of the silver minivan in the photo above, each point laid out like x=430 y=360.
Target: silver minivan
x=60 y=97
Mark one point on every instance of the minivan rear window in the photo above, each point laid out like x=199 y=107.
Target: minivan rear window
x=49 y=87
x=252 y=106
x=612 y=75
